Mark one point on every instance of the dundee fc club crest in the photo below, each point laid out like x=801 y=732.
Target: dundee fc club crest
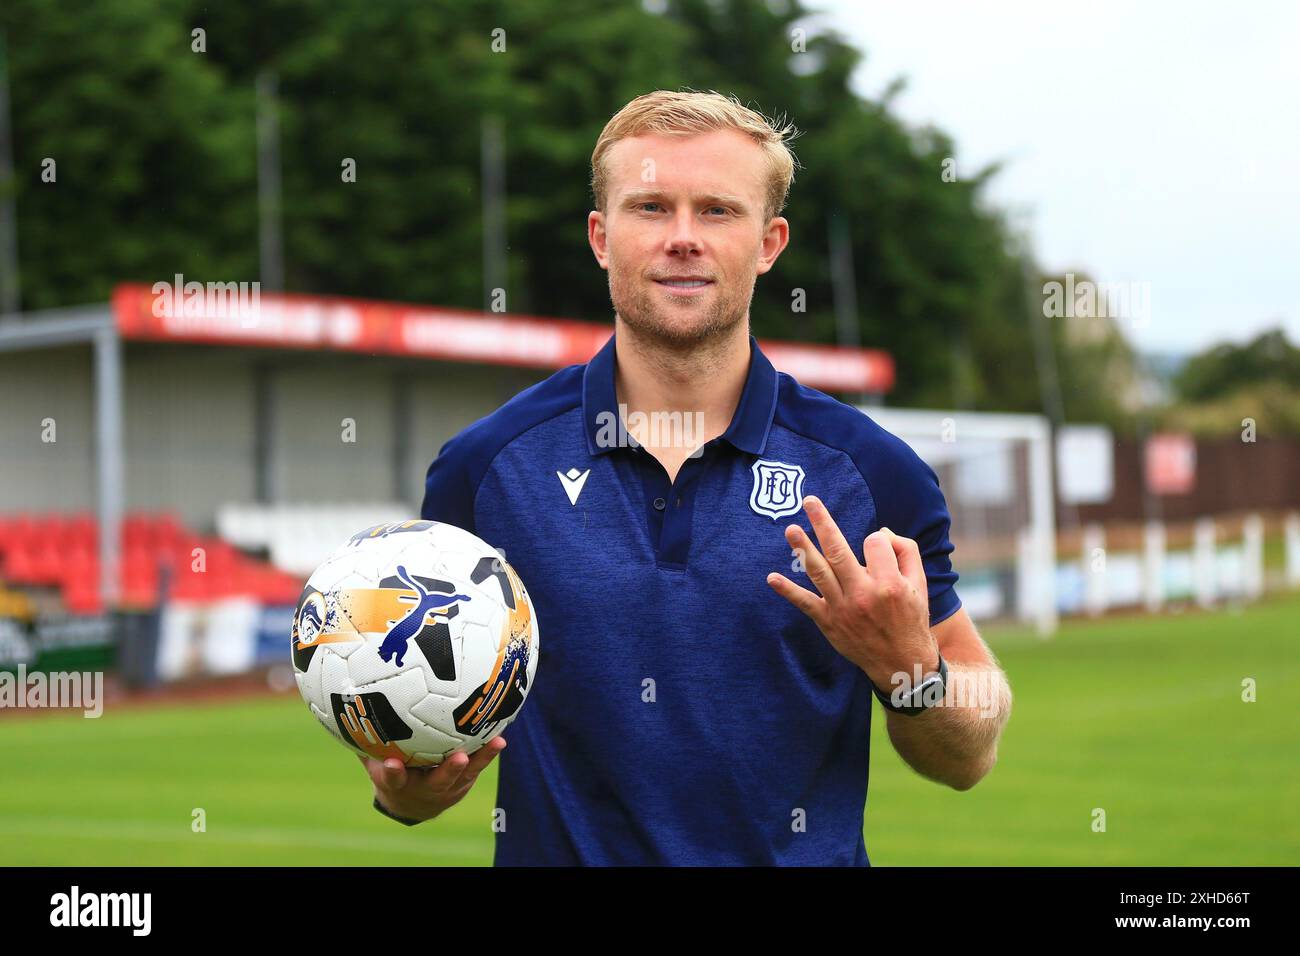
x=778 y=488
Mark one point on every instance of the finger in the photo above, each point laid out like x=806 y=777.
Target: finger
x=478 y=763
x=447 y=774
x=836 y=550
x=372 y=767
x=800 y=597
x=388 y=774
x=819 y=571
x=484 y=755
x=393 y=773
x=910 y=565
x=882 y=563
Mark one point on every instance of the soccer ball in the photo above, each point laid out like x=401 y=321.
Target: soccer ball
x=413 y=640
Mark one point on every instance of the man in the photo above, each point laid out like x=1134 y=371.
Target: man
x=704 y=690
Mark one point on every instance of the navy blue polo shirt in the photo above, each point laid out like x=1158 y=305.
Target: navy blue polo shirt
x=683 y=712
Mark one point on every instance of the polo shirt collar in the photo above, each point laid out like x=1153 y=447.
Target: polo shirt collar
x=749 y=426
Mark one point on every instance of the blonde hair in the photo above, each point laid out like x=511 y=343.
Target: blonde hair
x=691 y=112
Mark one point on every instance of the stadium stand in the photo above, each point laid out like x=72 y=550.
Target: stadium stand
x=60 y=551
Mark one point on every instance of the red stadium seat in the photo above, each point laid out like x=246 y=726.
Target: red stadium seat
x=83 y=531
x=20 y=531
x=167 y=529
x=52 y=528
x=79 y=564
x=56 y=549
x=84 y=599
x=19 y=568
x=137 y=532
x=47 y=564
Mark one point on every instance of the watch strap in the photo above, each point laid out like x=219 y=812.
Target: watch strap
x=917 y=697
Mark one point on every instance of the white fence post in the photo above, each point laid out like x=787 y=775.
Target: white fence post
x=1035 y=583
x=1252 y=557
x=1293 y=549
x=1203 y=562
x=1096 y=594
x=1153 y=565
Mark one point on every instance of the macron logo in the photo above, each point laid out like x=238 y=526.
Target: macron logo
x=573 y=482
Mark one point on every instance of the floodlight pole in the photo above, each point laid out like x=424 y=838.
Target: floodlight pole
x=270 y=222
x=844 y=290
x=109 y=472
x=9 y=280
x=493 y=173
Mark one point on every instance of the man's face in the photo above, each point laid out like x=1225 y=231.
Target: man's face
x=683 y=236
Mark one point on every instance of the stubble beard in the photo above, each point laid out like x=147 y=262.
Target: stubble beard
x=643 y=308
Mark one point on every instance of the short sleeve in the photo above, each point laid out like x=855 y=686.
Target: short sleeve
x=448 y=488
x=910 y=502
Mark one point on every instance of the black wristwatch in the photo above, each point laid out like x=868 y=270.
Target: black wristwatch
x=405 y=821
x=929 y=693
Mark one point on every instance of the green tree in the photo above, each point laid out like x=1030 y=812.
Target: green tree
x=1228 y=367
x=156 y=146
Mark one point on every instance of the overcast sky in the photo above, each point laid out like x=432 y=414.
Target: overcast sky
x=1153 y=142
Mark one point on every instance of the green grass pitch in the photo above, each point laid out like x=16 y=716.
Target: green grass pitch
x=1141 y=717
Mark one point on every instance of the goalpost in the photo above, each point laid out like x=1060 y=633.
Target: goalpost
x=996 y=474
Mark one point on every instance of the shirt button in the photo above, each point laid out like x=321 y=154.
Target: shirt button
x=660 y=504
